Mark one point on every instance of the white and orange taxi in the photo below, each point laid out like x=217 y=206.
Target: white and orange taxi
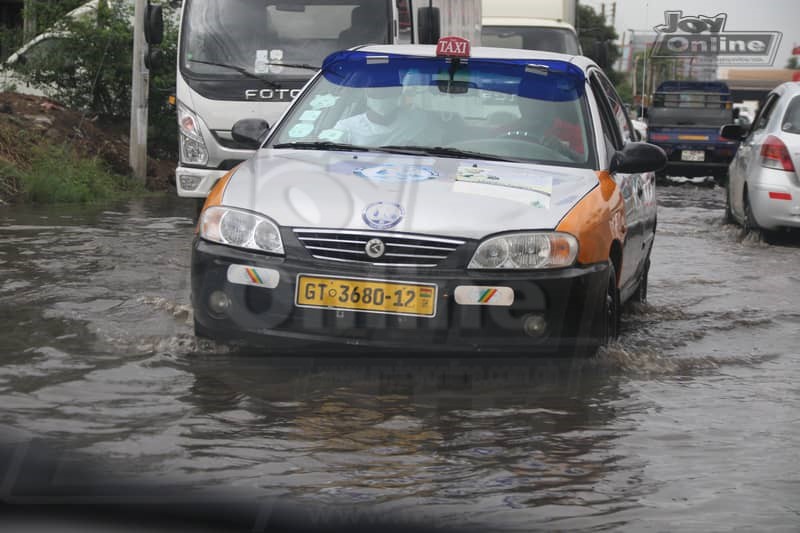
x=433 y=197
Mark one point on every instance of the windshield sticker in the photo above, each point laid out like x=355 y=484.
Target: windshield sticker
x=301 y=130
x=262 y=62
x=323 y=101
x=539 y=189
x=397 y=173
x=275 y=55
x=310 y=116
x=331 y=135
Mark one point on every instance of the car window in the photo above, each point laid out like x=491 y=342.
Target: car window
x=617 y=108
x=611 y=132
x=504 y=111
x=762 y=119
x=791 y=119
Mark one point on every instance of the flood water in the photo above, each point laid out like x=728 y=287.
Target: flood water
x=691 y=421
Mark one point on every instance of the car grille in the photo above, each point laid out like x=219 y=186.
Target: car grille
x=401 y=249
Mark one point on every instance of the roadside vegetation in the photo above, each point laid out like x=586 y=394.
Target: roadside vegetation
x=72 y=145
x=56 y=173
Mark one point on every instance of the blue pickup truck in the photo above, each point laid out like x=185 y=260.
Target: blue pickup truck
x=684 y=119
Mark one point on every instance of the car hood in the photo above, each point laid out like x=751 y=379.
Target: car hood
x=465 y=198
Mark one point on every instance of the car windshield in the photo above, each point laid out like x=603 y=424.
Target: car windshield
x=560 y=40
x=270 y=31
x=502 y=110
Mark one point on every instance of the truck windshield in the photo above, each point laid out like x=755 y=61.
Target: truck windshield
x=255 y=34
x=560 y=40
x=502 y=110
x=691 y=104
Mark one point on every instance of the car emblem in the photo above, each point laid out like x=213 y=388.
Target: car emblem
x=383 y=215
x=375 y=248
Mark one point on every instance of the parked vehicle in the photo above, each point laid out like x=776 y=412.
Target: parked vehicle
x=763 y=192
x=547 y=25
x=422 y=197
x=36 y=52
x=251 y=58
x=684 y=119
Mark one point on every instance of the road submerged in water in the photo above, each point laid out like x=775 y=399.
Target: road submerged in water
x=690 y=421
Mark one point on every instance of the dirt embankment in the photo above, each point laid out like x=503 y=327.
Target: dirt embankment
x=27 y=121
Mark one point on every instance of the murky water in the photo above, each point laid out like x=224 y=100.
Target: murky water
x=691 y=421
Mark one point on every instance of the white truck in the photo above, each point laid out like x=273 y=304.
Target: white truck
x=531 y=25
x=242 y=59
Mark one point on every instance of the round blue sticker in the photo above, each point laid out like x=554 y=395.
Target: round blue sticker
x=397 y=173
x=383 y=215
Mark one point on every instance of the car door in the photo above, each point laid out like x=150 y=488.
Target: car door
x=748 y=155
x=620 y=132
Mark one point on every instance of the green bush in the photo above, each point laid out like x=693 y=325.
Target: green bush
x=88 y=68
x=59 y=175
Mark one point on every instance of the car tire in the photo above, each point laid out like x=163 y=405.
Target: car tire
x=611 y=309
x=729 y=219
x=750 y=225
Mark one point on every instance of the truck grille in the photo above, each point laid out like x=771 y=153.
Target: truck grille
x=400 y=249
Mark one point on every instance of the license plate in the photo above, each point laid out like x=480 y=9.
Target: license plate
x=693 y=155
x=367 y=295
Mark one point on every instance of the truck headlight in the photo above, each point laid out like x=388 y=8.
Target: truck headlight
x=193 y=147
x=526 y=251
x=242 y=229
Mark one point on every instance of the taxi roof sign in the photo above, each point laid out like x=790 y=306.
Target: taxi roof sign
x=452 y=47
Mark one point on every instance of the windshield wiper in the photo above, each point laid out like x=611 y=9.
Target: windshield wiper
x=441 y=151
x=296 y=65
x=323 y=145
x=240 y=70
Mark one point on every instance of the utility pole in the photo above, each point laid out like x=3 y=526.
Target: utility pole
x=139 y=96
x=613 y=13
x=29 y=23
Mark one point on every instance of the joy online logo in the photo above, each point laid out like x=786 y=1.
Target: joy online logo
x=701 y=36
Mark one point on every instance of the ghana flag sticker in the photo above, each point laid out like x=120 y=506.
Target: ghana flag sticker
x=478 y=295
x=253 y=276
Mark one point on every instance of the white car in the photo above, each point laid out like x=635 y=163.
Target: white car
x=763 y=191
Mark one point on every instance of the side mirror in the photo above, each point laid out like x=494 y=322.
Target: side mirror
x=153 y=24
x=733 y=132
x=638 y=157
x=154 y=59
x=250 y=132
x=600 y=53
x=430 y=25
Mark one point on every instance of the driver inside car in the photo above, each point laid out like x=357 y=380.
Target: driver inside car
x=551 y=124
x=385 y=119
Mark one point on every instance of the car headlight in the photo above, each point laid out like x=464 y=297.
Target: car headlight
x=193 y=147
x=242 y=229
x=526 y=251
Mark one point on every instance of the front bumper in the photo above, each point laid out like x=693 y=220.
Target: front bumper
x=571 y=301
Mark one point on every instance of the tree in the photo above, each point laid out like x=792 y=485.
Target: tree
x=594 y=33
x=793 y=63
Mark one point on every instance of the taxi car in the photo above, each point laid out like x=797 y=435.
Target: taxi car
x=433 y=197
